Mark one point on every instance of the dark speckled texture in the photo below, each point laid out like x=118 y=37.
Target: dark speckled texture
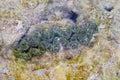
x=50 y=40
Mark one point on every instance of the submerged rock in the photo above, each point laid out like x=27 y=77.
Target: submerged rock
x=50 y=40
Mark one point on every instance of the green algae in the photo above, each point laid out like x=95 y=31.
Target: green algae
x=51 y=40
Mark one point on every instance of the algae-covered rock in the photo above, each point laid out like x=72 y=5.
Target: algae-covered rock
x=54 y=38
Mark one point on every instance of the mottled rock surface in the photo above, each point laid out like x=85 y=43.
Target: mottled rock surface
x=100 y=60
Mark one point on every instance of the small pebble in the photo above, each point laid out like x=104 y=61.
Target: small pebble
x=4 y=28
